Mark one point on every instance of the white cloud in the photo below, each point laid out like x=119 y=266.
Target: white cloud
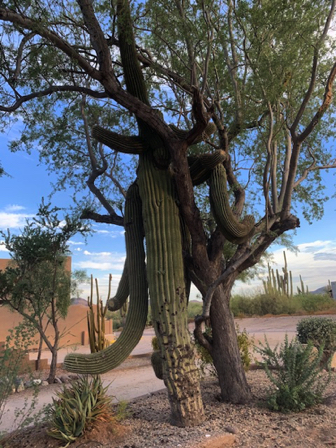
x=103 y=261
x=14 y=208
x=103 y=283
x=2 y=247
x=13 y=220
x=75 y=243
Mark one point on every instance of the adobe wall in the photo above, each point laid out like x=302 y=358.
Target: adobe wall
x=71 y=328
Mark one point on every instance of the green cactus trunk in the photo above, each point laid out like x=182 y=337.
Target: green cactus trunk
x=165 y=273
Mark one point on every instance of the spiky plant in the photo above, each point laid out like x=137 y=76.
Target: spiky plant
x=77 y=408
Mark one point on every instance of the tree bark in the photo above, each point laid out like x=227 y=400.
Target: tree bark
x=225 y=350
x=53 y=364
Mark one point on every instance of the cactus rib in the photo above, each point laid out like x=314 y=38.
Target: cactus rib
x=112 y=356
x=235 y=231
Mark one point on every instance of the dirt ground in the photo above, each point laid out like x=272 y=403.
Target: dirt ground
x=247 y=426
x=135 y=378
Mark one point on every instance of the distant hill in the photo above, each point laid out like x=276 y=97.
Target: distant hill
x=321 y=290
x=78 y=301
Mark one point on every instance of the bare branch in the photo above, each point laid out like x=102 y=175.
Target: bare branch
x=313 y=73
x=53 y=89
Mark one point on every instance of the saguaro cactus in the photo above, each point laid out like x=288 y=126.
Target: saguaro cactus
x=167 y=238
x=115 y=354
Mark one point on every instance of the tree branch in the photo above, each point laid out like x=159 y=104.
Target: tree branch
x=54 y=89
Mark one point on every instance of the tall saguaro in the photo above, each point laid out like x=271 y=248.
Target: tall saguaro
x=165 y=269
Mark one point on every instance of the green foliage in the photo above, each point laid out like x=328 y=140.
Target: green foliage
x=320 y=331
x=79 y=407
x=295 y=373
x=15 y=349
x=245 y=344
x=155 y=343
x=194 y=309
x=263 y=304
x=36 y=284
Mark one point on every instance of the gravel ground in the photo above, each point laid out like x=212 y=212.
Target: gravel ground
x=252 y=425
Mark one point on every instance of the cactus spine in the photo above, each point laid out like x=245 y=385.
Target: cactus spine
x=115 y=354
x=96 y=329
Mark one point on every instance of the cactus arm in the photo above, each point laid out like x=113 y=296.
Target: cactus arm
x=115 y=354
x=182 y=133
x=116 y=302
x=235 y=231
x=121 y=143
x=134 y=79
x=203 y=165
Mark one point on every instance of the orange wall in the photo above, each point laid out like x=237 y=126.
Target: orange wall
x=71 y=327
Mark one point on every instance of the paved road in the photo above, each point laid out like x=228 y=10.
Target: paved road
x=135 y=377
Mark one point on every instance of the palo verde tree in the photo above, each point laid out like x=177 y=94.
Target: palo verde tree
x=36 y=284
x=245 y=86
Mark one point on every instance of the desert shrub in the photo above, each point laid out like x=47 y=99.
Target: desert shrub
x=295 y=373
x=155 y=343
x=194 y=309
x=78 y=408
x=245 y=344
x=12 y=354
x=316 y=302
x=319 y=331
x=262 y=304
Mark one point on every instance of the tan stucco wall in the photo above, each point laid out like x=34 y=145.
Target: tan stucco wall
x=71 y=327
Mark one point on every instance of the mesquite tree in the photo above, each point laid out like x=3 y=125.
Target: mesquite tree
x=260 y=71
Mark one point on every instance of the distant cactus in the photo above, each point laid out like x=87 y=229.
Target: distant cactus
x=302 y=289
x=96 y=327
x=277 y=283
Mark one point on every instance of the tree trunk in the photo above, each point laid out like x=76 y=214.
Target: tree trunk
x=225 y=351
x=166 y=281
x=53 y=365
x=39 y=353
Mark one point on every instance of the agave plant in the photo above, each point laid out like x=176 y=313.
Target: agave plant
x=78 y=407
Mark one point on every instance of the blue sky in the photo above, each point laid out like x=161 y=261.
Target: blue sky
x=104 y=251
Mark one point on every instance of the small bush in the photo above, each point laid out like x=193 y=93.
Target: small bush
x=295 y=373
x=316 y=302
x=318 y=330
x=155 y=343
x=78 y=407
x=263 y=304
x=245 y=344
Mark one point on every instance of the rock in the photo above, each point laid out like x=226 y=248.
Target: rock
x=219 y=441
x=73 y=376
x=65 y=379
x=37 y=382
x=231 y=429
x=45 y=383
